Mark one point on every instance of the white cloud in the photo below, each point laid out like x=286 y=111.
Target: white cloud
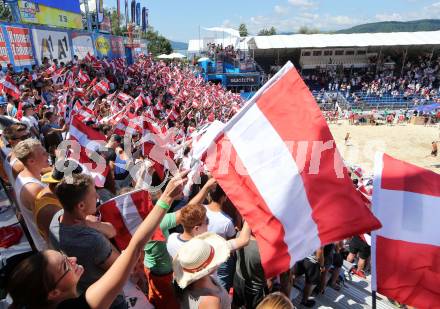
x=302 y=3
x=281 y=10
x=389 y=17
x=342 y=20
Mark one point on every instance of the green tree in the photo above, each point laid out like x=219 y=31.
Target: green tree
x=157 y=44
x=116 y=23
x=307 y=30
x=243 y=30
x=5 y=12
x=270 y=31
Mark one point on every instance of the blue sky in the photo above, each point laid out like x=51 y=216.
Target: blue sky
x=179 y=20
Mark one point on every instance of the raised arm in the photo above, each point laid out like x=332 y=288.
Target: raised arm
x=243 y=239
x=102 y=293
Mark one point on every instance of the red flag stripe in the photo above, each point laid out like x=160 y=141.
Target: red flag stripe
x=268 y=229
x=301 y=123
x=416 y=180
x=110 y=213
x=417 y=284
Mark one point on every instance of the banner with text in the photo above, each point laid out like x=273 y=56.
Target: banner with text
x=4 y=56
x=82 y=44
x=52 y=44
x=20 y=45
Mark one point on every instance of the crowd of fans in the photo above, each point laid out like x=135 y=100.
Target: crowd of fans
x=418 y=80
x=223 y=53
x=207 y=252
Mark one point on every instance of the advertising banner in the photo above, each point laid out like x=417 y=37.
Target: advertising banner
x=105 y=25
x=59 y=80
x=34 y=13
x=69 y=5
x=82 y=44
x=138 y=14
x=242 y=80
x=51 y=44
x=4 y=57
x=21 y=45
x=100 y=10
x=102 y=45
x=117 y=46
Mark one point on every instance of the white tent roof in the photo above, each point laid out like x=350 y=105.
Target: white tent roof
x=195 y=46
x=229 y=31
x=345 y=40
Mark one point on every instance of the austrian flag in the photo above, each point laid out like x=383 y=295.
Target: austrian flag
x=277 y=162
x=101 y=88
x=126 y=212
x=405 y=252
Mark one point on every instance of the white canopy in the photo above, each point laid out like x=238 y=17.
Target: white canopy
x=345 y=40
x=195 y=46
x=171 y=56
x=229 y=31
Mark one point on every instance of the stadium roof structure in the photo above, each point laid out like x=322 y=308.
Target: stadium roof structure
x=344 y=40
x=324 y=40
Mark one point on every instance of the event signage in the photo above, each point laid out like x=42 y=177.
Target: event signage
x=117 y=46
x=82 y=44
x=242 y=80
x=33 y=12
x=51 y=44
x=105 y=26
x=102 y=45
x=100 y=10
x=138 y=14
x=59 y=79
x=4 y=58
x=21 y=45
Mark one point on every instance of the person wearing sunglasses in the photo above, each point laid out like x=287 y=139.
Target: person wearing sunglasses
x=13 y=134
x=48 y=279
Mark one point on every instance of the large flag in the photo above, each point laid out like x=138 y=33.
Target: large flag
x=406 y=250
x=126 y=212
x=278 y=163
x=85 y=152
x=8 y=86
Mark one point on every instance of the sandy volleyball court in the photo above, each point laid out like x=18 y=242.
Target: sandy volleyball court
x=407 y=142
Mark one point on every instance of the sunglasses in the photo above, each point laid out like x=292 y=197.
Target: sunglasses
x=67 y=266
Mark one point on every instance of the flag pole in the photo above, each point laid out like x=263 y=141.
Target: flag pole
x=373 y=295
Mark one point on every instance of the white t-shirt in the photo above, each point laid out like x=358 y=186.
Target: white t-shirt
x=30 y=121
x=174 y=242
x=220 y=223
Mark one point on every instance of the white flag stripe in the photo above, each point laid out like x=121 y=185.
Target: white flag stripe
x=129 y=213
x=409 y=216
x=84 y=140
x=285 y=197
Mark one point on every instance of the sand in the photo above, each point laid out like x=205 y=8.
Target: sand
x=411 y=143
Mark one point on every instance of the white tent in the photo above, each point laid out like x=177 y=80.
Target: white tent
x=230 y=31
x=344 y=40
x=176 y=56
x=164 y=56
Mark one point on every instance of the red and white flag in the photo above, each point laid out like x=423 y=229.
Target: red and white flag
x=8 y=86
x=405 y=253
x=126 y=212
x=124 y=97
x=89 y=141
x=83 y=77
x=50 y=70
x=101 y=88
x=278 y=163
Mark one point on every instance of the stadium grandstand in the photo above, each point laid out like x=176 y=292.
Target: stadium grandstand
x=358 y=71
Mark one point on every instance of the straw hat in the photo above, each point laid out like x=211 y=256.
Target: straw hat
x=199 y=257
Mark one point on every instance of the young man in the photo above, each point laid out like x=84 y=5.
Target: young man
x=70 y=232
x=27 y=185
x=29 y=119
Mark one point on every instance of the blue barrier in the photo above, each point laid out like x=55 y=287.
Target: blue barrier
x=23 y=45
